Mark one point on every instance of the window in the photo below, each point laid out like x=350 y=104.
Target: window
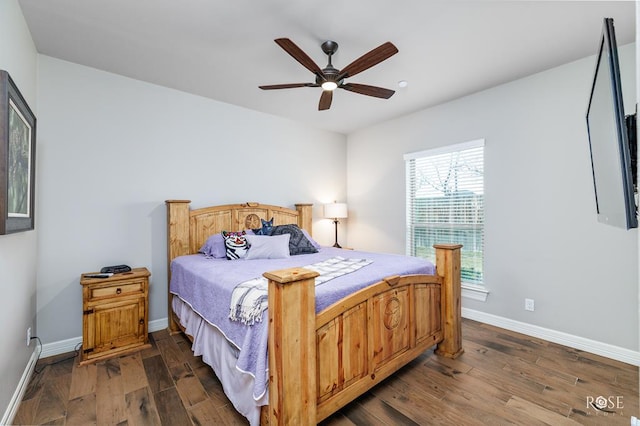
x=445 y=203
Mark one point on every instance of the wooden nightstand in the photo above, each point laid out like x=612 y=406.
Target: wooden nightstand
x=114 y=314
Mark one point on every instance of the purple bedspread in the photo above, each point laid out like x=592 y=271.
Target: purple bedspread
x=206 y=285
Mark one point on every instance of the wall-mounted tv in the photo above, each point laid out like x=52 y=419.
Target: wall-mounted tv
x=610 y=135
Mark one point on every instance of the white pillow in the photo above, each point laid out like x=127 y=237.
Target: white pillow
x=268 y=247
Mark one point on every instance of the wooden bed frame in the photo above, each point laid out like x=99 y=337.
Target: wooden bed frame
x=319 y=363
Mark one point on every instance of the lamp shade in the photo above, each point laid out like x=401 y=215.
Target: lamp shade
x=335 y=210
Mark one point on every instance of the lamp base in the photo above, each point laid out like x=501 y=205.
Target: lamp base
x=335 y=222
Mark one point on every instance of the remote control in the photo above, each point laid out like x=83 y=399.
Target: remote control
x=98 y=275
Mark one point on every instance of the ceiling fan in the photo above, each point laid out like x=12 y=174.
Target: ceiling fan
x=329 y=78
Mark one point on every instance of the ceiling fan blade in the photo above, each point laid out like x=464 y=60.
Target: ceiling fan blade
x=287 y=86
x=325 y=100
x=292 y=49
x=369 y=59
x=364 y=89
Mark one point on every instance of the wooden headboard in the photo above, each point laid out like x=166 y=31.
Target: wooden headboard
x=187 y=229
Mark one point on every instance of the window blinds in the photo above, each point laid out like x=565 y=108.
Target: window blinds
x=445 y=203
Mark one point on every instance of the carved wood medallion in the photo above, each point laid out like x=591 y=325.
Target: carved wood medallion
x=252 y=221
x=392 y=313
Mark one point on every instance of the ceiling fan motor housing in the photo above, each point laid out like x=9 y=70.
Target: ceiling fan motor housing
x=330 y=74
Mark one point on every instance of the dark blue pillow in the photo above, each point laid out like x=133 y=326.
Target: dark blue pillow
x=267 y=225
x=298 y=243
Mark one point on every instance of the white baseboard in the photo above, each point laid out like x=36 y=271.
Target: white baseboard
x=14 y=403
x=604 y=349
x=69 y=345
x=157 y=325
x=60 y=347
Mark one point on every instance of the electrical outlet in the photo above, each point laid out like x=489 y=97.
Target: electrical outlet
x=529 y=304
x=28 y=336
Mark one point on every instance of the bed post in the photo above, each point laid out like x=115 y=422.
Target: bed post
x=448 y=267
x=177 y=244
x=305 y=215
x=292 y=347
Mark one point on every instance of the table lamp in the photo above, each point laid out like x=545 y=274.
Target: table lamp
x=335 y=211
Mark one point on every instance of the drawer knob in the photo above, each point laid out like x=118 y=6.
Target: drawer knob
x=118 y=290
x=141 y=321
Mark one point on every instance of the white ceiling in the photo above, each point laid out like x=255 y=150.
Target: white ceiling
x=224 y=49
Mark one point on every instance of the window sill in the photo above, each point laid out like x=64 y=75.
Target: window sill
x=475 y=292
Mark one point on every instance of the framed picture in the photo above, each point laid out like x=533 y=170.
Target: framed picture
x=17 y=159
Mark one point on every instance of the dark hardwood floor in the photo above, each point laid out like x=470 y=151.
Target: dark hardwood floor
x=502 y=378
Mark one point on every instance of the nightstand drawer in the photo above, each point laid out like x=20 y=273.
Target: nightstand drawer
x=117 y=290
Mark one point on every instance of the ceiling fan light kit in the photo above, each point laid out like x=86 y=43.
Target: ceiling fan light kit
x=329 y=85
x=330 y=78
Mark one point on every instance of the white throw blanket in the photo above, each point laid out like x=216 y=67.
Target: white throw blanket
x=249 y=299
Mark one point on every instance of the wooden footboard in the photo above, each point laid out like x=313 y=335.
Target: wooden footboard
x=318 y=364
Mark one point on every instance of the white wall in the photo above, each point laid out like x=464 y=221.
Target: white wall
x=17 y=251
x=542 y=240
x=114 y=149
